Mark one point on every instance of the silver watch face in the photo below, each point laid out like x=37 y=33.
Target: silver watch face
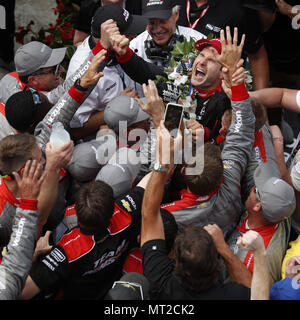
x=156 y=166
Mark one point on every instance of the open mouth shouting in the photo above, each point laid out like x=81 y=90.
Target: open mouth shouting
x=199 y=74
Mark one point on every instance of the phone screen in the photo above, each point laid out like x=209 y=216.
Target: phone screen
x=173 y=117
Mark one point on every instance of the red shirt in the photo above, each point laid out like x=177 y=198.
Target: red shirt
x=134 y=261
x=266 y=232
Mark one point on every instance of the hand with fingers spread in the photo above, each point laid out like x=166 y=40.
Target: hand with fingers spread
x=231 y=51
x=31 y=180
x=92 y=75
x=155 y=106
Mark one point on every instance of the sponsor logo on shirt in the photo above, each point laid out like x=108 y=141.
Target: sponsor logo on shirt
x=53 y=259
x=239 y=121
x=58 y=256
x=112 y=86
x=125 y=14
x=108 y=258
x=19 y=232
x=81 y=71
x=131 y=201
x=228 y=164
x=126 y=205
x=56 y=112
x=258 y=155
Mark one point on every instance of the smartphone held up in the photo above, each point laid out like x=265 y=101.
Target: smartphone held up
x=173 y=118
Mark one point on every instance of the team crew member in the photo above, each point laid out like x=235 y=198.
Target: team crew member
x=37 y=65
x=6 y=128
x=88 y=259
x=269 y=206
x=17 y=261
x=17 y=149
x=89 y=116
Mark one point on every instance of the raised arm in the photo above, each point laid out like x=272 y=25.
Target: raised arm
x=135 y=67
x=278 y=97
x=154 y=106
x=67 y=105
x=260 y=284
x=236 y=269
x=152 y=225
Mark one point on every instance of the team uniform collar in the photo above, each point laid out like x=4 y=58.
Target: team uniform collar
x=207 y=93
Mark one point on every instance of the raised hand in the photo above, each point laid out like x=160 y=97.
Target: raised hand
x=217 y=234
x=60 y=157
x=92 y=75
x=251 y=241
x=155 y=106
x=238 y=77
x=167 y=146
x=31 y=180
x=292 y=267
x=231 y=51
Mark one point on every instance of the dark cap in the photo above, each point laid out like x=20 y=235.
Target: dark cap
x=160 y=9
x=126 y=22
x=132 y=286
x=21 y=110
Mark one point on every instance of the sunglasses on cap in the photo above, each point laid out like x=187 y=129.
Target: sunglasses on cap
x=256 y=192
x=54 y=70
x=35 y=95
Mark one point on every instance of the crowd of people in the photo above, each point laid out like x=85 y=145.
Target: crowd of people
x=118 y=212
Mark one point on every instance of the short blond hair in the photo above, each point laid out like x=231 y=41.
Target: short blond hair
x=15 y=150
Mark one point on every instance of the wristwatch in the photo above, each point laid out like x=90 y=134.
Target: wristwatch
x=158 y=167
x=78 y=86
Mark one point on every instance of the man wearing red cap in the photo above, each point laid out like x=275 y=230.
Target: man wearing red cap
x=210 y=16
x=206 y=79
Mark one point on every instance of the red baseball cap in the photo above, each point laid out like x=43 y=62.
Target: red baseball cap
x=215 y=43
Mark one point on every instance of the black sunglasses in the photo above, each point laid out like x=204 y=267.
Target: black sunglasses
x=54 y=70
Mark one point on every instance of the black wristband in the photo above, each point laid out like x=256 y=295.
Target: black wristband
x=78 y=86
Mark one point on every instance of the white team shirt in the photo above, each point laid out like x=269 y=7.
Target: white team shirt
x=107 y=88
